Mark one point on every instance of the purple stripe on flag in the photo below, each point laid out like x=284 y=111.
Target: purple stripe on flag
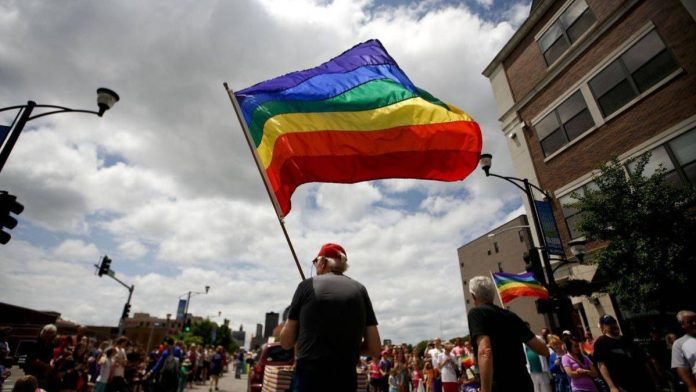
x=367 y=53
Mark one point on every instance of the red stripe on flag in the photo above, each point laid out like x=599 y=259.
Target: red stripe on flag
x=445 y=152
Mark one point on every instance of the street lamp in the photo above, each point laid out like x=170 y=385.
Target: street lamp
x=188 y=299
x=106 y=99
x=528 y=189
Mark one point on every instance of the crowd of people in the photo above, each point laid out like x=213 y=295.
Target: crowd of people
x=77 y=363
x=510 y=357
x=439 y=367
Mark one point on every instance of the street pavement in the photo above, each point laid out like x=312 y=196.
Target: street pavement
x=226 y=384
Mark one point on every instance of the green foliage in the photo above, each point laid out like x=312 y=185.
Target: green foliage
x=224 y=338
x=648 y=226
x=202 y=334
x=191 y=339
x=204 y=329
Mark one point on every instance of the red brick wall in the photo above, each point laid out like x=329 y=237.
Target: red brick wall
x=526 y=67
x=665 y=107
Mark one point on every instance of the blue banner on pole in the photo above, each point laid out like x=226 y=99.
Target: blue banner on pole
x=4 y=131
x=549 y=228
x=180 y=310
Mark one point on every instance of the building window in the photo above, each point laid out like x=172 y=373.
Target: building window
x=571 y=214
x=566 y=30
x=521 y=234
x=489 y=252
x=642 y=66
x=565 y=123
x=677 y=157
x=495 y=245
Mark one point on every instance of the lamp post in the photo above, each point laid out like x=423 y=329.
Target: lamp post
x=106 y=99
x=528 y=188
x=188 y=299
x=577 y=247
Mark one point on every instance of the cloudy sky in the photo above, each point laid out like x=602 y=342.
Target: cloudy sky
x=165 y=185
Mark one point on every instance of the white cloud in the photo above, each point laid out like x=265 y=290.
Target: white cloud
x=76 y=250
x=165 y=179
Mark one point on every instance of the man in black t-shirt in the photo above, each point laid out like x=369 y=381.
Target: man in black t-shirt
x=621 y=362
x=497 y=336
x=332 y=321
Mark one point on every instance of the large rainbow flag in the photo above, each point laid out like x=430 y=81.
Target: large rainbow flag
x=511 y=286
x=354 y=118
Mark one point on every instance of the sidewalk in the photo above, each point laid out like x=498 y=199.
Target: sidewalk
x=226 y=384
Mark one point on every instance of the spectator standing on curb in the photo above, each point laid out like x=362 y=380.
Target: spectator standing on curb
x=684 y=350
x=38 y=362
x=447 y=364
x=623 y=365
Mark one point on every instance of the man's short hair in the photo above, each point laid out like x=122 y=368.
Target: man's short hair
x=482 y=288
x=337 y=265
x=684 y=313
x=49 y=327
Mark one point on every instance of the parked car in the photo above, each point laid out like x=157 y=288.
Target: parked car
x=271 y=354
x=23 y=348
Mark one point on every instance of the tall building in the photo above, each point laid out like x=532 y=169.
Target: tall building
x=270 y=324
x=501 y=249
x=582 y=81
x=239 y=336
x=255 y=342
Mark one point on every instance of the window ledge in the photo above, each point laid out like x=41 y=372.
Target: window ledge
x=572 y=142
x=627 y=106
x=644 y=94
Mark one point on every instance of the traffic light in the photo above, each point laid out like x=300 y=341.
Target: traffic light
x=532 y=264
x=187 y=325
x=126 y=311
x=8 y=205
x=104 y=267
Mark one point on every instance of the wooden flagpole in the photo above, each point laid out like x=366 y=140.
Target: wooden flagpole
x=264 y=177
x=496 y=289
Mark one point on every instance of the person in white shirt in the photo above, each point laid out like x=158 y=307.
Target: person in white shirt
x=105 y=371
x=447 y=363
x=118 y=381
x=434 y=354
x=684 y=350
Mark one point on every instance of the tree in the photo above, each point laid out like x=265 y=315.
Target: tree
x=224 y=338
x=648 y=225
x=204 y=329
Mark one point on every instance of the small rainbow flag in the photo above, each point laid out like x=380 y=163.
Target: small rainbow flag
x=355 y=118
x=511 y=286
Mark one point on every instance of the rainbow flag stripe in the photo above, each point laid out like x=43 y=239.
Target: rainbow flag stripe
x=511 y=286
x=355 y=118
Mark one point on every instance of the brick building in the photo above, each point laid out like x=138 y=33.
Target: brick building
x=501 y=249
x=582 y=81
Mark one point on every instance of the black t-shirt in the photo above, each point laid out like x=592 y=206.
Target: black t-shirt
x=333 y=311
x=625 y=361
x=507 y=333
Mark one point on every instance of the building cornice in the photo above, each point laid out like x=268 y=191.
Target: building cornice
x=561 y=66
x=535 y=15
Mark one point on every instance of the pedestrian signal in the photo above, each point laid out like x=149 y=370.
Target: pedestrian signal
x=8 y=206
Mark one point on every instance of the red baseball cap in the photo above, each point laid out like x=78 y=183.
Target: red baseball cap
x=333 y=251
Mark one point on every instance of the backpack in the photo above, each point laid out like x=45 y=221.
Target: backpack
x=169 y=373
